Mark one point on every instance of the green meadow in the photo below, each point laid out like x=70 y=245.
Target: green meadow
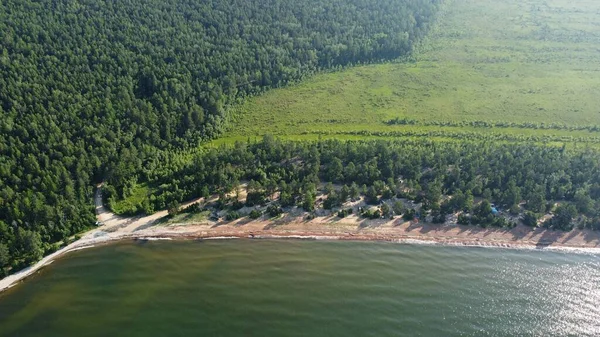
x=505 y=70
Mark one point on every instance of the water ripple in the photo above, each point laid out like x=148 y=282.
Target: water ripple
x=307 y=288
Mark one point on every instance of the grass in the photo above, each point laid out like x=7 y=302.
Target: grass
x=132 y=203
x=521 y=61
x=185 y=218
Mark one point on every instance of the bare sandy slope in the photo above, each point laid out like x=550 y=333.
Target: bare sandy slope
x=351 y=228
x=354 y=228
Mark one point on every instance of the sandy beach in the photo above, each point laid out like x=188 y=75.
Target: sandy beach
x=115 y=228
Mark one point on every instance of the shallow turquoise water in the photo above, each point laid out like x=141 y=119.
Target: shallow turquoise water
x=306 y=288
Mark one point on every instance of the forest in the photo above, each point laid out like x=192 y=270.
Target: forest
x=95 y=89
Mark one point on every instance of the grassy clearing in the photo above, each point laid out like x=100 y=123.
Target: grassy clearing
x=133 y=201
x=521 y=61
x=185 y=218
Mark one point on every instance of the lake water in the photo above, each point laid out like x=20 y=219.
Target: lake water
x=306 y=288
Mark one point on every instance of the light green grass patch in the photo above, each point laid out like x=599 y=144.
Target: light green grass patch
x=186 y=218
x=530 y=61
x=133 y=201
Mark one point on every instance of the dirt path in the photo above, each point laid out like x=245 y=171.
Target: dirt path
x=104 y=215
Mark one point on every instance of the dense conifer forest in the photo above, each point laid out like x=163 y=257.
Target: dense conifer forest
x=446 y=177
x=95 y=89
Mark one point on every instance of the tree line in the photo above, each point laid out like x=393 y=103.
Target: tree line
x=494 y=124
x=445 y=177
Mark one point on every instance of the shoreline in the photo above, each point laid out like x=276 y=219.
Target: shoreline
x=98 y=238
x=290 y=227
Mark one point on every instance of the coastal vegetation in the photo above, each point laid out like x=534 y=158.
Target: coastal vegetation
x=483 y=184
x=90 y=90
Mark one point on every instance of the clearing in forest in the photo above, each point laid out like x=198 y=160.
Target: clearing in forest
x=503 y=70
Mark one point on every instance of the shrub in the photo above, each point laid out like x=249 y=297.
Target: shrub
x=439 y=219
x=255 y=198
x=409 y=215
x=399 y=208
x=464 y=219
x=232 y=215
x=371 y=196
x=376 y=214
x=193 y=208
x=274 y=210
x=344 y=213
x=236 y=205
x=530 y=219
x=500 y=222
x=386 y=210
x=331 y=201
x=255 y=214
x=173 y=208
